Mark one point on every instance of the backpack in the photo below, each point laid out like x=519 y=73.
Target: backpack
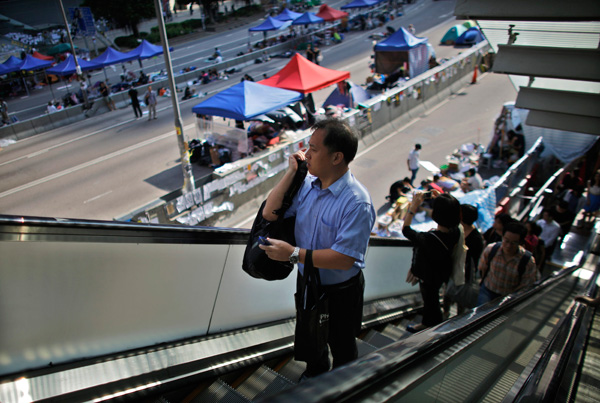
x=256 y=262
x=522 y=263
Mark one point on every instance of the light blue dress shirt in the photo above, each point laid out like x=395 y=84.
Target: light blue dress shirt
x=340 y=218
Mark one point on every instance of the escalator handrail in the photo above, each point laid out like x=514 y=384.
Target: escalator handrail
x=545 y=381
x=353 y=378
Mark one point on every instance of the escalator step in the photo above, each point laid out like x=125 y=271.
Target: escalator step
x=219 y=392
x=292 y=370
x=364 y=348
x=264 y=382
x=395 y=332
x=377 y=339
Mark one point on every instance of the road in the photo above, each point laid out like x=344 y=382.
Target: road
x=109 y=165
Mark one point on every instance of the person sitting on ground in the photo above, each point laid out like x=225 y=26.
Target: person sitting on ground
x=504 y=273
x=473 y=181
x=446 y=183
x=431 y=261
x=51 y=108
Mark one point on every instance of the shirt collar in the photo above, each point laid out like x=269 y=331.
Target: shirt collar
x=337 y=187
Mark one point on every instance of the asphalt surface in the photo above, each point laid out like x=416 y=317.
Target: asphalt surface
x=109 y=165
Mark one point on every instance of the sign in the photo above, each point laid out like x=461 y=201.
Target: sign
x=82 y=21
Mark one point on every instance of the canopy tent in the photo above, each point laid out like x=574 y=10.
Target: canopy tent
x=270 y=24
x=67 y=67
x=287 y=15
x=12 y=64
x=145 y=50
x=246 y=100
x=350 y=97
x=399 y=50
x=330 y=14
x=360 y=4
x=307 y=18
x=33 y=63
x=111 y=56
x=60 y=48
x=452 y=34
x=3 y=70
x=304 y=76
x=41 y=56
x=470 y=37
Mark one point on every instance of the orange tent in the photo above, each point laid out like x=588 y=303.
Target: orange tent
x=304 y=76
x=40 y=56
x=330 y=14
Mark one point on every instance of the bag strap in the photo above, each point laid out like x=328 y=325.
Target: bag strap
x=295 y=186
x=310 y=270
x=523 y=264
x=438 y=238
x=493 y=252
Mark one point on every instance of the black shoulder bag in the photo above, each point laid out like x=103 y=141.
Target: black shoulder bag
x=312 y=314
x=256 y=262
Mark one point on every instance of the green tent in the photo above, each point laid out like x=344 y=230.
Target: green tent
x=452 y=34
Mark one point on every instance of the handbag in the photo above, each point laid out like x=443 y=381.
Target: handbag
x=312 y=314
x=256 y=262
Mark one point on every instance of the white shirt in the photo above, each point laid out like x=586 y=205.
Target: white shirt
x=475 y=182
x=550 y=231
x=413 y=159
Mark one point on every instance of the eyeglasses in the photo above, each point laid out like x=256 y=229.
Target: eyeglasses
x=509 y=242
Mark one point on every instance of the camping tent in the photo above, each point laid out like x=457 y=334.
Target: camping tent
x=330 y=14
x=145 y=50
x=307 y=18
x=469 y=24
x=67 y=67
x=246 y=100
x=360 y=4
x=354 y=94
x=304 y=76
x=287 y=15
x=399 y=49
x=452 y=34
x=111 y=56
x=470 y=37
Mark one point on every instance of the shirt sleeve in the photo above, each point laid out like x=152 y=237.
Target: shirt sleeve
x=353 y=235
x=531 y=274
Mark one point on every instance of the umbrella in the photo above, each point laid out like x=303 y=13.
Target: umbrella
x=307 y=18
x=41 y=56
x=246 y=100
x=60 y=48
x=287 y=15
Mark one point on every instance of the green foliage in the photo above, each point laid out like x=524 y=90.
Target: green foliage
x=126 y=42
x=124 y=13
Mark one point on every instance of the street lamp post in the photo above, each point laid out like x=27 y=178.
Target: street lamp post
x=77 y=66
x=188 y=176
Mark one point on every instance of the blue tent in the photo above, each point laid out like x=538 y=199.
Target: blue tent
x=287 y=15
x=11 y=64
x=453 y=34
x=355 y=95
x=67 y=67
x=111 y=56
x=33 y=63
x=145 y=50
x=360 y=4
x=470 y=37
x=307 y=18
x=246 y=100
x=270 y=24
x=402 y=49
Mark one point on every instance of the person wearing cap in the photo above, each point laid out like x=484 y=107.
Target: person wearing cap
x=413 y=162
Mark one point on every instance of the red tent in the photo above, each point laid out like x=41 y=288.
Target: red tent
x=304 y=76
x=330 y=14
x=40 y=56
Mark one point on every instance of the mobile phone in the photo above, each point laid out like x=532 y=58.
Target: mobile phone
x=263 y=240
x=427 y=195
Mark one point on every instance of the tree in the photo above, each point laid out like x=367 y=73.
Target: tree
x=124 y=13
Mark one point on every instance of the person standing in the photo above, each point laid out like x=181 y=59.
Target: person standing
x=431 y=261
x=150 y=100
x=135 y=102
x=105 y=93
x=334 y=217
x=550 y=231
x=310 y=53
x=501 y=276
x=413 y=162
x=4 y=112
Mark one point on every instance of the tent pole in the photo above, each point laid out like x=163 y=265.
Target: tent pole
x=49 y=83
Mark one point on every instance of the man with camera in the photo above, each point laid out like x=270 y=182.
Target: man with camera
x=334 y=217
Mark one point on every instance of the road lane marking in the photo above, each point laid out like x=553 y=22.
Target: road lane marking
x=97 y=197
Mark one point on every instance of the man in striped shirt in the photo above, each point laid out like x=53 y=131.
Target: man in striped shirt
x=503 y=274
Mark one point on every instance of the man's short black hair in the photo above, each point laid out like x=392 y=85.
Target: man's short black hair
x=418 y=146
x=469 y=214
x=339 y=137
x=516 y=227
x=549 y=211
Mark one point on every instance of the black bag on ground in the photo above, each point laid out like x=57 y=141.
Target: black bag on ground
x=256 y=262
x=312 y=314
